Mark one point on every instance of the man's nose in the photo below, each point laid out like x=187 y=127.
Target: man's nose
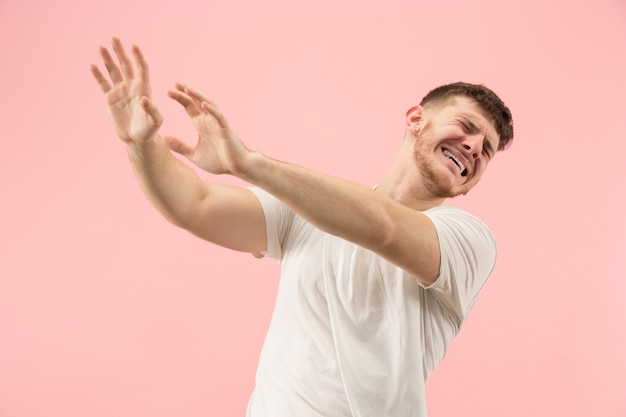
x=473 y=144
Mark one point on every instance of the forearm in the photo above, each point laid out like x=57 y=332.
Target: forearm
x=172 y=187
x=342 y=208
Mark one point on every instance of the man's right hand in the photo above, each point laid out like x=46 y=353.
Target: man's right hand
x=228 y=216
x=134 y=116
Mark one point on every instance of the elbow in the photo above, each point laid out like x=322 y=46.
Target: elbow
x=184 y=214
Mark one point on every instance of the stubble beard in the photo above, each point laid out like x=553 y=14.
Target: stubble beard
x=428 y=171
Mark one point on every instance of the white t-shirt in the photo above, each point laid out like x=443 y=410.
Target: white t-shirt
x=353 y=335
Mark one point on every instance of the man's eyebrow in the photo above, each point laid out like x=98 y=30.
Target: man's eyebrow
x=472 y=127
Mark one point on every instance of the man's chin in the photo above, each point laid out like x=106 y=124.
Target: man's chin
x=440 y=191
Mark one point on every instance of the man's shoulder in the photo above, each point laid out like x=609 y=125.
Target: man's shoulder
x=450 y=211
x=455 y=218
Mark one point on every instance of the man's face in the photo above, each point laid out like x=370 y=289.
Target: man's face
x=454 y=147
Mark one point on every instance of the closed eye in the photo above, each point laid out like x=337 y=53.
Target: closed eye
x=472 y=129
x=487 y=149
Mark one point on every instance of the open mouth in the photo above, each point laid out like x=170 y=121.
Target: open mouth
x=458 y=163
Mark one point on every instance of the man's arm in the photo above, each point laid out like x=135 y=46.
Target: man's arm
x=228 y=216
x=403 y=236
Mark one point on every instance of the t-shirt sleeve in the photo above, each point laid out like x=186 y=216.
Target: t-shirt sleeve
x=278 y=219
x=468 y=256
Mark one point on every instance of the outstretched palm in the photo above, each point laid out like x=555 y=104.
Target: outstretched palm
x=132 y=113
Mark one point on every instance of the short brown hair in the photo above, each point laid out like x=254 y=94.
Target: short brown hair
x=486 y=98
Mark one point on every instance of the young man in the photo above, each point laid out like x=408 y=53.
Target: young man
x=375 y=282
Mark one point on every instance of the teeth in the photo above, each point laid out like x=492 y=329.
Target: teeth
x=456 y=161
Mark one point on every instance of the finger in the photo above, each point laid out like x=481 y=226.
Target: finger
x=197 y=94
x=155 y=118
x=104 y=84
x=122 y=57
x=191 y=106
x=183 y=88
x=142 y=64
x=180 y=87
x=213 y=110
x=178 y=146
x=111 y=66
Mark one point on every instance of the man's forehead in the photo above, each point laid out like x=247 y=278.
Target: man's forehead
x=455 y=105
x=473 y=110
x=470 y=108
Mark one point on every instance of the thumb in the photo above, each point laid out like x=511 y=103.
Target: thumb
x=178 y=146
x=152 y=112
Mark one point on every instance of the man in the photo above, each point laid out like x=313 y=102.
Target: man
x=375 y=282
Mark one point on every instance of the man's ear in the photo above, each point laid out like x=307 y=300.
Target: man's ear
x=414 y=118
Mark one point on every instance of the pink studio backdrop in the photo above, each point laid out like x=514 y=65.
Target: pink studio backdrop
x=106 y=309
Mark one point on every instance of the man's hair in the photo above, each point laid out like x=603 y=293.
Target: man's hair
x=487 y=99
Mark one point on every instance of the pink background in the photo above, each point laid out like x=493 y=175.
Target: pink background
x=106 y=309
